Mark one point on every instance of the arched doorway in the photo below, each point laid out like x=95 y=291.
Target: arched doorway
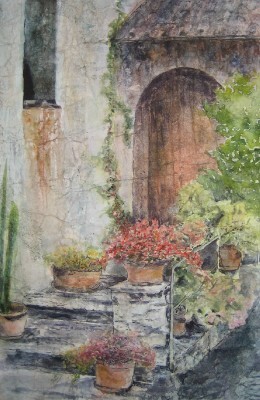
x=172 y=138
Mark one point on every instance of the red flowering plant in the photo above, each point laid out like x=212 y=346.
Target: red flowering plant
x=112 y=349
x=148 y=242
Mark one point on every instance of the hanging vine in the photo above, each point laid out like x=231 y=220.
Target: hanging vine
x=110 y=191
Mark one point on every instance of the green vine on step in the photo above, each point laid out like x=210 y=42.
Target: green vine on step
x=116 y=210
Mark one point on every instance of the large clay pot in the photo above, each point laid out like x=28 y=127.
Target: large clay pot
x=229 y=258
x=12 y=324
x=74 y=280
x=141 y=275
x=114 y=378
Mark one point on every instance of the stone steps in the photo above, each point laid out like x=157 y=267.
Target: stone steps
x=21 y=384
x=58 y=321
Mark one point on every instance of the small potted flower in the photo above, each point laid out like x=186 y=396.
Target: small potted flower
x=13 y=316
x=76 y=269
x=114 y=357
x=146 y=247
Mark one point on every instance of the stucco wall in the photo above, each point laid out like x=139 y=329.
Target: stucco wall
x=82 y=30
x=70 y=208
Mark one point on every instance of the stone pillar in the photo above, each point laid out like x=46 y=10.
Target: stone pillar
x=144 y=310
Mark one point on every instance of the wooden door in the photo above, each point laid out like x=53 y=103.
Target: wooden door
x=172 y=138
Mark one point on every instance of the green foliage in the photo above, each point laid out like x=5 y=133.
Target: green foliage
x=8 y=239
x=73 y=258
x=230 y=222
x=116 y=107
x=3 y=224
x=237 y=115
x=72 y=361
x=9 y=256
x=218 y=298
x=197 y=203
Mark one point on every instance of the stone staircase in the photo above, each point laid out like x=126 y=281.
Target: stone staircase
x=57 y=321
x=32 y=367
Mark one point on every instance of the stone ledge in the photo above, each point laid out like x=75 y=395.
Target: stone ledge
x=152 y=290
x=56 y=299
x=143 y=309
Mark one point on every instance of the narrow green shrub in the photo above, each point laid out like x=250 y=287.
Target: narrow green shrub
x=3 y=224
x=8 y=239
x=9 y=256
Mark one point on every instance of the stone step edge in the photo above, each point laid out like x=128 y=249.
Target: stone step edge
x=141 y=375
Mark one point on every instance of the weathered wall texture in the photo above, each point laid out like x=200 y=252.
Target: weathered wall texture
x=82 y=29
x=51 y=170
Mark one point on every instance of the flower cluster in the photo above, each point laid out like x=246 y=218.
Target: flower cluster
x=74 y=258
x=113 y=349
x=146 y=242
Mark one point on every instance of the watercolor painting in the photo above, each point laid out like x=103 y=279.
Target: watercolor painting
x=129 y=200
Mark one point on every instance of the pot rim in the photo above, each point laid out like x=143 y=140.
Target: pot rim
x=152 y=264
x=15 y=314
x=130 y=364
x=63 y=270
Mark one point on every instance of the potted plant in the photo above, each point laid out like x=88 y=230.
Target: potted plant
x=179 y=321
x=114 y=357
x=145 y=247
x=236 y=229
x=76 y=269
x=13 y=315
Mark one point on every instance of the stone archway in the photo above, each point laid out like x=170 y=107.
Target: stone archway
x=171 y=140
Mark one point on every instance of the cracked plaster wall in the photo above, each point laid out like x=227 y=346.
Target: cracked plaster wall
x=72 y=209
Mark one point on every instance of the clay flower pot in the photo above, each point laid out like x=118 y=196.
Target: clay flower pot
x=178 y=326
x=229 y=258
x=151 y=274
x=179 y=321
x=114 y=378
x=75 y=280
x=12 y=324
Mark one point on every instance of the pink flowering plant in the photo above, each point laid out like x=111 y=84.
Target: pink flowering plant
x=112 y=349
x=148 y=242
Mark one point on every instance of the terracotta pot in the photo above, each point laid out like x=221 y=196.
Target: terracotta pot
x=178 y=327
x=74 y=280
x=114 y=378
x=179 y=321
x=141 y=275
x=12 y=324
x=229 y=258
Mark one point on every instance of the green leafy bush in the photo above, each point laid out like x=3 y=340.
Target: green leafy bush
x=237 y=115
x=230 y=222
x=73 y=258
